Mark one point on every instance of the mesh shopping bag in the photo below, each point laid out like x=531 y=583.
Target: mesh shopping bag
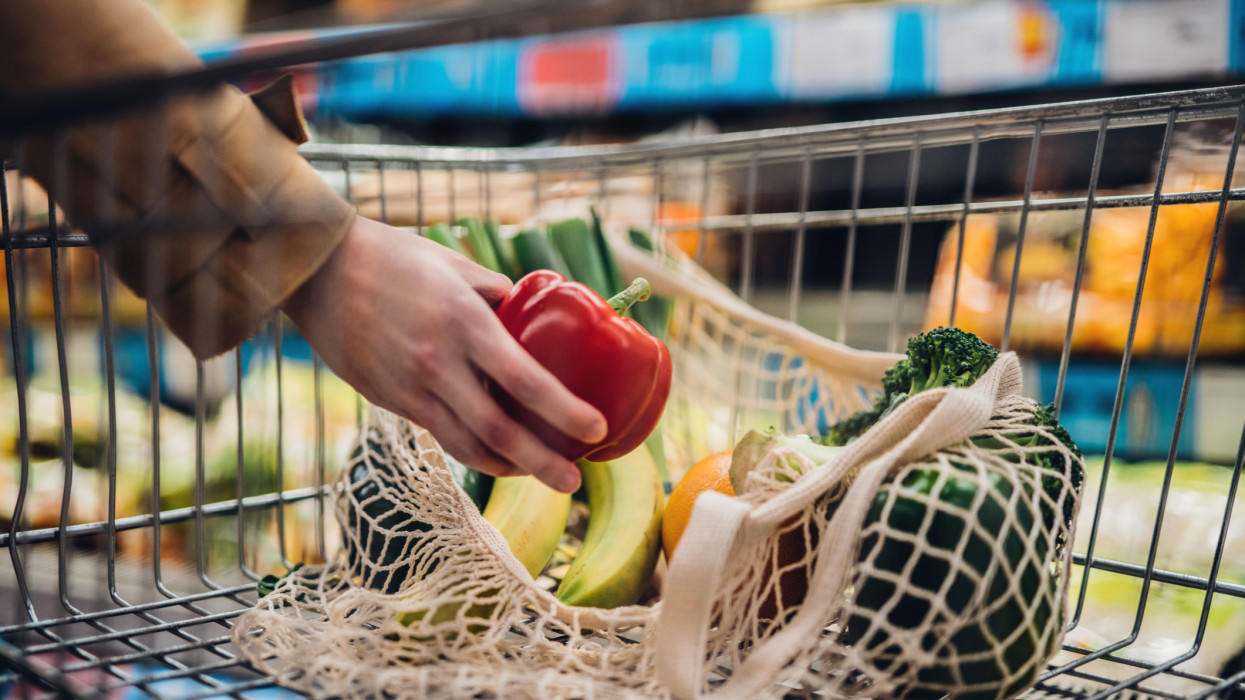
x=914 y=563
x=933 y=566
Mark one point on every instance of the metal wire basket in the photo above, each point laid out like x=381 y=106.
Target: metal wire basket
x=998 y=221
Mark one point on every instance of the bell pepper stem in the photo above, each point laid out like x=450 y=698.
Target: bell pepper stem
x=638 y=291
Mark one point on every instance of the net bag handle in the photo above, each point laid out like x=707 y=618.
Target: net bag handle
x=676 y=276
x=721 y=525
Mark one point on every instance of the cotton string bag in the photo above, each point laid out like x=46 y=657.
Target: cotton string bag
x=468 y=621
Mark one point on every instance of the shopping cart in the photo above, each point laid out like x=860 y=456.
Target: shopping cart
x=146 y=494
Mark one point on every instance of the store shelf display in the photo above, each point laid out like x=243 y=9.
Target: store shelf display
x=1057 y=247
x=875 y=51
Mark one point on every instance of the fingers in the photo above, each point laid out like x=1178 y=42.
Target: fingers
x=529 y=383
x=492 y=286
x=504 y=438
x=453 y=373
x=412 y=330
x=457 y=440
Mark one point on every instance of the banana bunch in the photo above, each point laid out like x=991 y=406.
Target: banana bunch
x=625 y=499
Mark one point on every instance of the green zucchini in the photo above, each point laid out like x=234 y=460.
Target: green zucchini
x=533 y=252
x=373 y=508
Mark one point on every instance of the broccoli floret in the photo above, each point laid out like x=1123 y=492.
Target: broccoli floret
x=896 y=379
x=947 y=357
x=849 y=428
x=941 y=357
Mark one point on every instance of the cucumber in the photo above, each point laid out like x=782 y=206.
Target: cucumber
x=532 y=251
x=574 y=240
x=443 y=235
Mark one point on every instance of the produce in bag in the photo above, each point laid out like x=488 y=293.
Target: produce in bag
x=958 y=563
x=381 y=530
x=532 y=252
x=508 y=637
x=626 y=501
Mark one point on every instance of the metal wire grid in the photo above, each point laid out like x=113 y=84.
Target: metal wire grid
x=85 y=621
x=742 y=158
x=183 y=624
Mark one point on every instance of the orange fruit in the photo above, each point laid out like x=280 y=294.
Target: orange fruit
x=713 y=474
x=709 y=474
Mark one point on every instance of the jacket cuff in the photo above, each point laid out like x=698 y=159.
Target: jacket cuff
x=279 y=102
x=286 y=222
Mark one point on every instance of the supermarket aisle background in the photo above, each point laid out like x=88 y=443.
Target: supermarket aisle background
x=668 y=70
x=720 y=67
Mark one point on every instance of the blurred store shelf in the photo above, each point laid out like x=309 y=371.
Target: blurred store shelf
x=823 y=54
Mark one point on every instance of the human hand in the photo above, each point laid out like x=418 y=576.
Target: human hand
x=407 y=323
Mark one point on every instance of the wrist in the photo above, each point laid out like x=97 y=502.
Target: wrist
x=310 y=293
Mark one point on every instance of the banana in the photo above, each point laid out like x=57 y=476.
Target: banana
x=531 y=516
x=626 y=501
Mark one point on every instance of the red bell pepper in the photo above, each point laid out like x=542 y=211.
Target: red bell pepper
x=604 y=358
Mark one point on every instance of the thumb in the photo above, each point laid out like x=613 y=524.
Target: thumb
x=493 y=286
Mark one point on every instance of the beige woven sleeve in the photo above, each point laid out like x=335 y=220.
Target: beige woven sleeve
x=203 y=206
x=280 y=222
